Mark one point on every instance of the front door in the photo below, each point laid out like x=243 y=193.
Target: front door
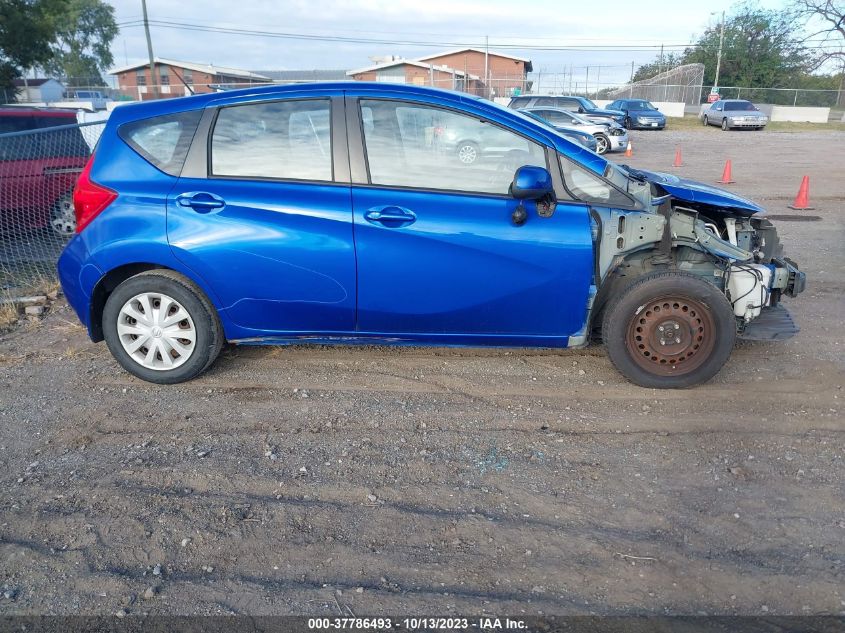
x=438 y=256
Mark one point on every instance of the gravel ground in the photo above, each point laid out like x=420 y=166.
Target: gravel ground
x=308 y=480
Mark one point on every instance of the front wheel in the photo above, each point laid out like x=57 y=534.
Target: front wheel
x=706 y=122
x=161 y=327
x=669 y=330
x=602 y=144
x=724 y=125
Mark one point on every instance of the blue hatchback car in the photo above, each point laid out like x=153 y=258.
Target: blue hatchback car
x=344 y=213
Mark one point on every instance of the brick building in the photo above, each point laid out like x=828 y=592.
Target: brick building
x=473 y=70
x=504 y=74
x=409 y=71
x=177 y=79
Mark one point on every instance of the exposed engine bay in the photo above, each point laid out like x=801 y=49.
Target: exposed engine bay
x=706 y=232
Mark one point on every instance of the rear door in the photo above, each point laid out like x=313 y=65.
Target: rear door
x=262 y=212
x=438 y=256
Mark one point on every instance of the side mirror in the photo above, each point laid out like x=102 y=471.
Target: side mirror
x=531 y=183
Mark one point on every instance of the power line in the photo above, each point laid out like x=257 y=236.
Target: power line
x=627 y=47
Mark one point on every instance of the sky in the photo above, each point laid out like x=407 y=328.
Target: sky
x=640 y=26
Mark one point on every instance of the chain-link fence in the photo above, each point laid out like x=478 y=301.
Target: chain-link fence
x=38 y=170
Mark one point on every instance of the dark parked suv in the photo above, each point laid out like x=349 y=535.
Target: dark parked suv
x=581 y=105
x=38 y=168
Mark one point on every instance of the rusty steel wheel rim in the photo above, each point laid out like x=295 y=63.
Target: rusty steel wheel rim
x=671 y=336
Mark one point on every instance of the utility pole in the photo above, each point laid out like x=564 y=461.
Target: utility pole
x=631 y=83
x=487 y=64
x=153 y=83
x=719 y=54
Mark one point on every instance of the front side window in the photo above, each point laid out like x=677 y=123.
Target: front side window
x=418 y=146
x=589 y=187
x=555 y=117
x=288 y=140
x=568 y=104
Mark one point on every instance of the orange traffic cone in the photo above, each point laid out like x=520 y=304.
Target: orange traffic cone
x=678 y=162
x=802 y=200
x=629 y=151
x=726 y=174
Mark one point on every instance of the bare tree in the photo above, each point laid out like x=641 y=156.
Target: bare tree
x=827 y=18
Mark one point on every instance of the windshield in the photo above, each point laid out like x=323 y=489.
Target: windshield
x=739 y=105
x=590 y=104
x=641 y=105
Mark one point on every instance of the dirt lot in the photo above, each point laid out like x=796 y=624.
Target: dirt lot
x=308 y=480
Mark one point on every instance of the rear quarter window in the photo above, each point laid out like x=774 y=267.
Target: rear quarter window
x=163 y=141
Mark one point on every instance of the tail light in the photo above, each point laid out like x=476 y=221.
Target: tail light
x=89 y=198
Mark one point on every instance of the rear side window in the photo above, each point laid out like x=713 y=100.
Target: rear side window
x=163 y=141
x=288 y=140
x=519 y=102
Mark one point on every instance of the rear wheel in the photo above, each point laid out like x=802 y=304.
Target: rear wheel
x=161 y=327
x=706 y=122
x=602 y=144
x=669 y=330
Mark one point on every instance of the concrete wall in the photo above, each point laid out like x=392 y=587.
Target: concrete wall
x=800 y=114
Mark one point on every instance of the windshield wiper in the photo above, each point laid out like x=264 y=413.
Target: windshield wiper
x=636 y=174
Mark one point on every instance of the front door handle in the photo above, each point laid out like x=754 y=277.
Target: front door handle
x=200 y=201
x=390 y=216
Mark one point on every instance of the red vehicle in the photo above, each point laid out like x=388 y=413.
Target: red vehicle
x=38 y=168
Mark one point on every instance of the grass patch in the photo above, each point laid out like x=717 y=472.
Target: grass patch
x=690 y=122
x=9 y=316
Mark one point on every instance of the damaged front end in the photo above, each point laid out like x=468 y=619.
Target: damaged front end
x=705 y=231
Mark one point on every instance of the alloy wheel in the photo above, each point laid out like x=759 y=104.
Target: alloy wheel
x=601 y=144
x=467 y=154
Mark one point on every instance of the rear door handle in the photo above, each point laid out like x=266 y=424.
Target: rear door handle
x=390 y=216
x=200 y=201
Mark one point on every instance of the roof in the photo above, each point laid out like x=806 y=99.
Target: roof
x=304 y=75
x=409 y=62
x=528 y=66
x=211 y=69
x=32 y=83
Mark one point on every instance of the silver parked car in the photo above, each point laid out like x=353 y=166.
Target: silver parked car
x=610 y=137
x=734 y=113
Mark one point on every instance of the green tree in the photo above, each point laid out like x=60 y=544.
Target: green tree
x=762 y=48
x=81 y=49
x=27 y=29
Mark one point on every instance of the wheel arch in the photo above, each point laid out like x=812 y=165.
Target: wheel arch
x=120 y=273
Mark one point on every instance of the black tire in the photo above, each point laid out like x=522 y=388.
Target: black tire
x=628 y=123
x=602 y=141
x=210 y=338
x=724 y=125
x=699 y=314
